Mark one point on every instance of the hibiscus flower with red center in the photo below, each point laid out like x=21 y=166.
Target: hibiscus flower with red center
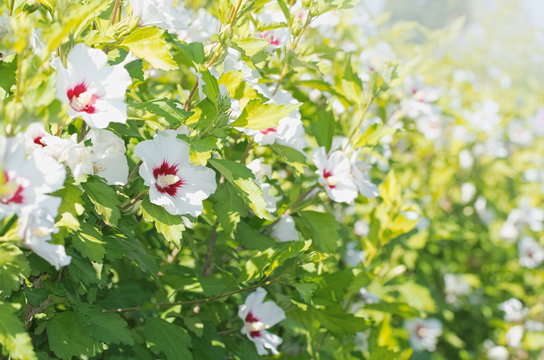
x=174 y=182
x=93 y=90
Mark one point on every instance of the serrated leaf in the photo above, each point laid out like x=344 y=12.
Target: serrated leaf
x=108 y=328
x=323 y=229
x=148 y=43
x=259 y=116
x=252 y=46
x=244 y=181
x=13 y=337
x=69 y=338
x=168 y=339
x=210 y=87
x=104 y=199
x=170 y=110
x=229 y=207
x=13 y=268
x=152 y=212
x=88 y=241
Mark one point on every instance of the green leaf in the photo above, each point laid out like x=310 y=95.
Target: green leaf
x=109 y=328
x=294 y=157
x=323 y=128
x=13 y=337
x=69 y=338
x=252 y=239
x=323 y=229
x=155 y=213
x=284 y=9
x=211 y=87
x=373 y=134
x=168 y=339
x=104 y=199
x=7 y=75
x=195 y=51
x=339 y=322
x=13 y=268
x=417 y=296
x=135 y=69
x=252 y=46
x=170 y=110
x=88 y=241
x=259 y=116
x=244 y=181
x=133 y=250
x=148 y=43
x=229 y=207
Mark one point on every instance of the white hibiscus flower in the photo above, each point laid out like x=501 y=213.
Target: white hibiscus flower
x=160 y=13
x=259 y=316
x=174 y=182
x=93 y=90
x=531 y=253
x=284 y=230
x=424 y=333
x=25 y=179
x=335 y=175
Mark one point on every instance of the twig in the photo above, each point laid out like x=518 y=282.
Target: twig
x=194 y=302
x=134 y=171
x=114 y=11
x=207 y=271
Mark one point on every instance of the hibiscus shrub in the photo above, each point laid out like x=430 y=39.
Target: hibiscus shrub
x=234 y=179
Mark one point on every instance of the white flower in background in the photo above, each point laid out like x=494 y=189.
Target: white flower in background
x=537 y=122
x=269 y=198
x=36 y=43
x=284 y=230
x=514 y=311
x=495 y=352
x=108 y=156
x=361 y=341
x=466 y=160
x=375 y=58
x=36 y=224
x=174 y=182
x=290 y=130
x=367 y=297
x=486 y=117
x=523 y=215
x=25 y=179
x=534 y=326
x=468 y=190
x=361 y=228
x=334 y=171
x=424 y=333
x=455 y=286
x=272 y=15
x=93 y=90
x=531 y=253
x=360 y=171
x=258 y=316
x=201 y=28
x=260 y=169
x=5 y=26
x=354 y=256
x=160 y=13
x=514 y=336
x=519 y=133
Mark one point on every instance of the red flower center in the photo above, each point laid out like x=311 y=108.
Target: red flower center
x=38 y=141
x=268 y=131
x=250 y=320
x=14 y=192
x=326 y=175
x=82 y=99
x=167 y=180
x=270 y=37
